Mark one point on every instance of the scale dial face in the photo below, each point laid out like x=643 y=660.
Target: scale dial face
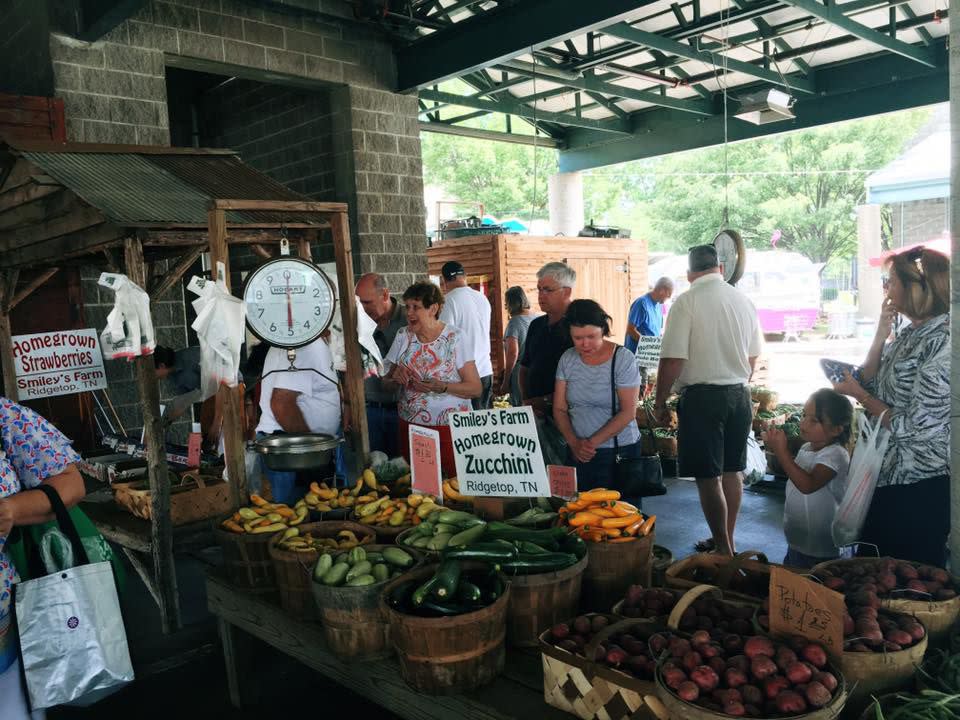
x=729 y=246
x=290 y=302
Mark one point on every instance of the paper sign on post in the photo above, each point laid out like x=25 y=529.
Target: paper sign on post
x=648 y=351
x=58 y=363
x=799 y=606
x=498 y=453
x=563 y=481
x=425 y=460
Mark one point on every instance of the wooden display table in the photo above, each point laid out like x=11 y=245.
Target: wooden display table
x=517 y=693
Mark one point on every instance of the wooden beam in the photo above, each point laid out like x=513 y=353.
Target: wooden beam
x=54 y=251
x=80 y=219
x=235 y=236
x=144 y=572
x=281 y=206
x=161 y=528
x=24 y=194
x=176 y=272
x=8 y=284
x=230 y=398
x=343 y=254
x=24 y=292
x=261 y=251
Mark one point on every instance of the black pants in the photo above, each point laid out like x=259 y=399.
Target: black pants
x=715 y=421
x=486 y=386
x=910 y=522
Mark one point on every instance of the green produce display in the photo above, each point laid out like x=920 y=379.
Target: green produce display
x=358 y=568
x=451 y=590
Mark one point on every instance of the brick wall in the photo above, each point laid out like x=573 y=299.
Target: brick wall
x=919 y=220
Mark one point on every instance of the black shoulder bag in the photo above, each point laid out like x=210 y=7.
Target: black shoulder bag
x=636 y=476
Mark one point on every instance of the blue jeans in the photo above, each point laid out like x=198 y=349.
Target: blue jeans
x=383 y=427
x=797 y=559
x=599 y=472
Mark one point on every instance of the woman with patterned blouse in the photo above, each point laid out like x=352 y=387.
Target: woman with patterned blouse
x=31 y=452
x=430 y=365
x=908 y=378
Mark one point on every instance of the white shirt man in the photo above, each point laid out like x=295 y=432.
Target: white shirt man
x=469 y=311
x=300 y=400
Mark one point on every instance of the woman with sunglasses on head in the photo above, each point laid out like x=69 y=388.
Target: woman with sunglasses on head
x=907 y=381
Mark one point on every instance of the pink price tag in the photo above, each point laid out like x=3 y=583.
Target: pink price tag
x=563 y=481
x=425 y=460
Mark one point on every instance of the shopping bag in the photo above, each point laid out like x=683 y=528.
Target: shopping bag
x=129 y=331
x=73 y=646
x=862 y=475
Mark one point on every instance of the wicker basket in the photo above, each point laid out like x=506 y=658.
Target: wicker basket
x=740 y=577
x=193 y=497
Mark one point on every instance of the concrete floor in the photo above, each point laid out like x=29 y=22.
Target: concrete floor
x=184 y=674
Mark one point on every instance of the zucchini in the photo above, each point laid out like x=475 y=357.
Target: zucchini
x=502 y=531
x=470 y=535
x=574 y=544
x=529 y=548
x=533 y=564
x=399 y=597
x=469 y=593
x=448 y=577
x=488 y=552
x=445 y=609
x=459 y=518
x=421 y=593
x=438 y=542
x=493 y=588
x=421 y=542
x=396 y=556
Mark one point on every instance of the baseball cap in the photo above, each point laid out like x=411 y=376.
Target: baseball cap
x=451 y=269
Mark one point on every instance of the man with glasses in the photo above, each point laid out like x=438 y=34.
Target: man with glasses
x=548 y=337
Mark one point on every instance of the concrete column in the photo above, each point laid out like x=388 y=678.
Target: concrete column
x=869 y=285
x=955 y=298
x=566 y=203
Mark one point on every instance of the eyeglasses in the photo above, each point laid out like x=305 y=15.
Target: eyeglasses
x=548 y=291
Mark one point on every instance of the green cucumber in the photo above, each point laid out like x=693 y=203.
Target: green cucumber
x=470 y=535
x=445 y=609
x=448 y=577
x=489 y=552
x=381 y=572
x=438 y=542
x=529 y=548
x=398 y=557
x=361 y=580
x=399 y=597
x=502 y=531
x=335 y=575
x=361 y=568
x=459 y=518
x=574 y=544
x=375 y=557
x=324 y=563
x=357 y=554
x=420 y=594
x=533 y=564
x=421 y=542
x=469 y=593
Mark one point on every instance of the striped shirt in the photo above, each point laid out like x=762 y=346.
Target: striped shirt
x=914 y=380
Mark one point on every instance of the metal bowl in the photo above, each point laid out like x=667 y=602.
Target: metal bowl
x=297 y=452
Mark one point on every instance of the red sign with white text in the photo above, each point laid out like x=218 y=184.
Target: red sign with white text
x=425 y=460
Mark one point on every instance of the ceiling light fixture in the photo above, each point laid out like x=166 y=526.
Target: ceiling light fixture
x=765 y=106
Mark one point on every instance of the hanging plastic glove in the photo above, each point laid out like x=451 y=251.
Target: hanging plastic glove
x=219 y=327
x=129 y=331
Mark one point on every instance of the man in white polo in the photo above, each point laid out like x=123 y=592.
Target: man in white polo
x=469 y=311
x=708 y=353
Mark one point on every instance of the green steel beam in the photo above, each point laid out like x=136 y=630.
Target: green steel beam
x=501 y=35
x=444 y=129
x=102 y=16
x=924 y=34
x=663 y=44
x=833 y=15
x=593 y=84
x=872 y=85
x=526 y=112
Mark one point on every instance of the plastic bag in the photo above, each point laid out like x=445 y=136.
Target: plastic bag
x=129 y=332
x=756 y=462
x=219 y=328
x=865 y=465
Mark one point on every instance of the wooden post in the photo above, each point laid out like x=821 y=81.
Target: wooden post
x=161 y=529
x=348 y=313
x=303 y=246
x=231 y=399
x=955 y=298
x=8 y=288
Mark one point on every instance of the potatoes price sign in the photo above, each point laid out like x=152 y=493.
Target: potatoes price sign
x=498 y=453
x=799 y=606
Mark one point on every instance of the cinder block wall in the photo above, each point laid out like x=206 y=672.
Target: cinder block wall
x=919 y=220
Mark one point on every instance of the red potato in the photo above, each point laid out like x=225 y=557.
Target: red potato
x=705 y=677
x=735 y=677
x=941 y=576
x=560 y=631
x=635 y=595
x=887 y=581
x=688 y=691
x=828 y=680
x=658 y=643
x=944 y=594
x=735 y=709
x=691 y=660
x=615 y=655
x=891 y=646
x=784 y=657
x=917 y=586
x=601 y=653
x=718 y=664
x=773 y=686
x=679 y=647
x=815 y=655
x=758 y=645
x=848 y=626
x=580 y=640
x=637 y=664
x=568 y=645
x=700 y=637
x=906 y=571
x=900 y=637
x=598 y=623
x=674 y=677
x=752 y=711
x=762 y=667
x=866 y=598
x=868 y=630
x=708 y=651
x=791 y=703
x=740 y=662
x=835 y=583
x=857 y=647
x=915 y=629
x=581 y=625
x=865 y=612
x=799 y=673
x=633 y=646
x=732 y=643
x=751 y=694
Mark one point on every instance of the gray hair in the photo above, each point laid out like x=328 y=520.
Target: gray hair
x=516 y=300
x=379 y=281
x=664 y=282
x=565 y=275
x=703 y=257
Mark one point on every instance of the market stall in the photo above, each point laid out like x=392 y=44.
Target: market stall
x=82 y=203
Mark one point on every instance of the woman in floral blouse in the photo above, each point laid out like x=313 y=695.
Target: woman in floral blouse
x=31 y=452
x=429 y=363
x=909 y=378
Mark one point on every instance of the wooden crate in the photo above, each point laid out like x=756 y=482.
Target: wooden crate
x=193 y=497
x=611 y=271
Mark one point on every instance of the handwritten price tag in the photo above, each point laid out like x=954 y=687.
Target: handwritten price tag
x=425 y=460
x=799 y=606
x=563 y=481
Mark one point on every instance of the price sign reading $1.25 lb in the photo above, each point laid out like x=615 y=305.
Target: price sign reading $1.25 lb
x=799 y=606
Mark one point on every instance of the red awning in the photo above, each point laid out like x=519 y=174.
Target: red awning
x=940 y=244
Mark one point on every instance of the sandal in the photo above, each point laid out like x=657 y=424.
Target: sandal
x=705 y=546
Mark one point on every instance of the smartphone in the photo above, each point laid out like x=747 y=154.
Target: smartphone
x=834 y=370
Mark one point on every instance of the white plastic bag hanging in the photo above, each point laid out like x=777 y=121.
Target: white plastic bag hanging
x=219 y=328
x=865 y=465
x=129 y=331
